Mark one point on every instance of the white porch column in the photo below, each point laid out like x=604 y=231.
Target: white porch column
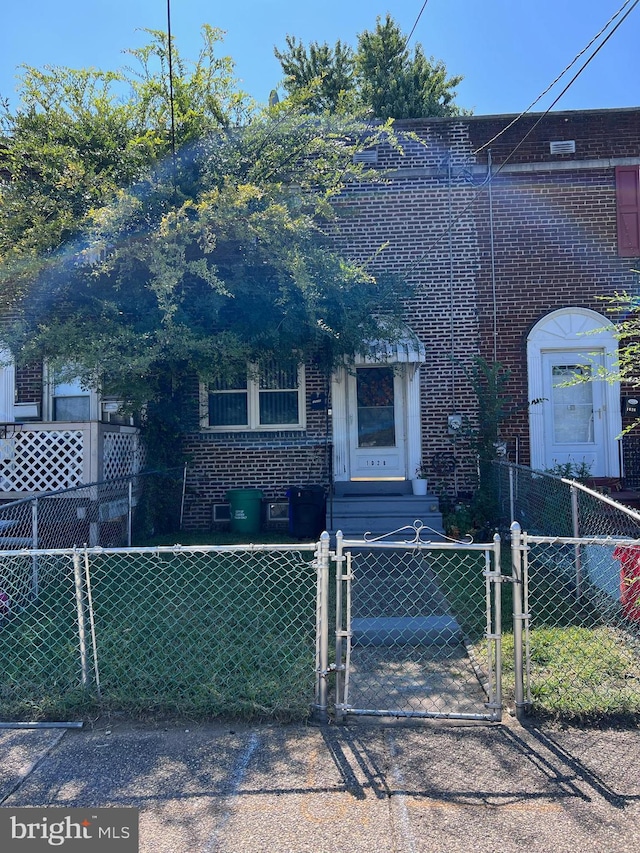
x=7 y=387
x=340 y=425
x=414 y=433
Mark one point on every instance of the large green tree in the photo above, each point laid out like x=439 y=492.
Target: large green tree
x=141 y=270
x=381 y=77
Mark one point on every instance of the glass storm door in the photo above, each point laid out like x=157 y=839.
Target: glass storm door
x=376 y=424
x=574 y=407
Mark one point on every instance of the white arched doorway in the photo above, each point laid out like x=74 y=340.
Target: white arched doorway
x=576 y=423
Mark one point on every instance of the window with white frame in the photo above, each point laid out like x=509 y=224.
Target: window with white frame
x=270 y=396
x=68 y=400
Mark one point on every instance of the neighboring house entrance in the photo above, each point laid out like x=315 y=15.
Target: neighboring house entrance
x=574 y=416
x=574 y=421
x=376 y=414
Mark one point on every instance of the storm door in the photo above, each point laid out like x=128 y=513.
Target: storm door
x=574 y=407
x=376 y=423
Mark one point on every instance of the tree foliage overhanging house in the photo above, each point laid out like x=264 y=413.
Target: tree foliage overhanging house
x=135 y=269
x=381 y=78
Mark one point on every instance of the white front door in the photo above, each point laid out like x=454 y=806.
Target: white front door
x=376 y=423
x=574 y=408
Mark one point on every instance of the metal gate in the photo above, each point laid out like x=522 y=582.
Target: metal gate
x=418 y=628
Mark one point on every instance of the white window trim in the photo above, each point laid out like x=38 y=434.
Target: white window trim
x=48 y=398
x=253 y=406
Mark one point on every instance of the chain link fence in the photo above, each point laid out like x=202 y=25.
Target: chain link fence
x=111 y=514
x=419 y=630
x=577 y=564
x=581 y=603
x=188 y=631
x=547 y=505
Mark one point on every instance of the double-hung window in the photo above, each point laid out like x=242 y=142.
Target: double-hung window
x=68 y=400
x=267 y=397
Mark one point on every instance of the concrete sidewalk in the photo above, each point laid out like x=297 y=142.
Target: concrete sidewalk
x=353 y=789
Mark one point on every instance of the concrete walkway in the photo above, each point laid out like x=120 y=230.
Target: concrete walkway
x=360 y=788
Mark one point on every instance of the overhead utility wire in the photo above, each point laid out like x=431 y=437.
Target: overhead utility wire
x=491 y=176
x=558 y=78
x=424 y=6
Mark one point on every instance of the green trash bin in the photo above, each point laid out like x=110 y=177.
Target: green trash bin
x=245 y=510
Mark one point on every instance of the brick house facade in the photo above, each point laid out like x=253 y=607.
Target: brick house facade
x=508 y=242
x=510 y=269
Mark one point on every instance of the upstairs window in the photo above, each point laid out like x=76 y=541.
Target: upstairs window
x=70 y=402
x=628 y=210
x=67 y=400
x=268 y=397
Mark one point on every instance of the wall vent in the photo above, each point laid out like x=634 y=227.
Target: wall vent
x=221 y=512
x=278 y=511
x=369 y=157
x=563 y=146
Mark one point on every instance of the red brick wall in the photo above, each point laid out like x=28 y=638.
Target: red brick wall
x=29 y=384
x=270 y=461
x=554 y=245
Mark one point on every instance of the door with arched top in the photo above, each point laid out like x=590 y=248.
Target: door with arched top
x=574 y=400
x=574 y=436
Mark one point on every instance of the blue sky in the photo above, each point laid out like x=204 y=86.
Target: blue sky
x=507 y=50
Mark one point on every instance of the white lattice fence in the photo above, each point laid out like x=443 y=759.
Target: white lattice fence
x=40 y=461
x=122 y=455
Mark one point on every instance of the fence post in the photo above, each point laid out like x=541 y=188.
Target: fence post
x=94 y=516
x=183 y=495
x=575 y=523
x=512 y=495
x=92 y=623
x=82 y=631
x=518 y=645
x=320 y=708
x=35 y=584
x=129 y=512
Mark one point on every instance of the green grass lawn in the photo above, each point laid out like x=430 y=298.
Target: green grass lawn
x=584 y=656
x=196 y=635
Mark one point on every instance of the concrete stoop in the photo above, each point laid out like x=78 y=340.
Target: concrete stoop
x=380 y=507
x=437 y=629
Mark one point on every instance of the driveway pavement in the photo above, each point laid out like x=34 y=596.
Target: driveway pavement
x=356 y=789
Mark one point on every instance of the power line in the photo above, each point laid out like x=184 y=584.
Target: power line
x=424 y=6
x=491 y=176
x=560 y=76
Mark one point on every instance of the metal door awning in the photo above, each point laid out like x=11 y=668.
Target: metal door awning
x=407 y=350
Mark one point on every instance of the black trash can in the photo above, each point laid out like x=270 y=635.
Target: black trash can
x=307 y=511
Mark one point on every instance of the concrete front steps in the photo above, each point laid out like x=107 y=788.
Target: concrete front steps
x=379 y=507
